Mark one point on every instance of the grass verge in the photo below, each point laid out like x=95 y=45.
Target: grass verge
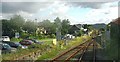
x=56 y=50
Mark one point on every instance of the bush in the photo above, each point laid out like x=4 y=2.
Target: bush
x=16 y=39
x=52 y=36
x=41 y=36
x=24 y=35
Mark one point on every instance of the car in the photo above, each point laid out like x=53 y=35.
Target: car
x=5 y=38
x=35 y=41
x=26 y=42
x=24 y=47
x=19 y=45
x=12 y=44
x=6 y=48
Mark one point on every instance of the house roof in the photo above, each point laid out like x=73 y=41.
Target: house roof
x=78 y=25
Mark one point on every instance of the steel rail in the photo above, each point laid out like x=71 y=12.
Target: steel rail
x=83 y=52
x=94 y=52
x=68 y=58
x=68 y=51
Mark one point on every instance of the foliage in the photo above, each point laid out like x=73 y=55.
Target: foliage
x=57 y=23
x=24 y=35
x=22 y=52
x=57 y=49
x=13 y=25
x=47 y=25
x=28 y=27
x=81 y=32
x=16 y=39
x=52 y=36
x=65 y=26
x=50 y=54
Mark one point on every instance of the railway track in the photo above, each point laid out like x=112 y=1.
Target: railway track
x=80 y=49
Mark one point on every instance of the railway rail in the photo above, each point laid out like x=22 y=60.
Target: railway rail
x=80 y=49
x=68 y=55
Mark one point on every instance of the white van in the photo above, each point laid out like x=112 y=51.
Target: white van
x=5 y=38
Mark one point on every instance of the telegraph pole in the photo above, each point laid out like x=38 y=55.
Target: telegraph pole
x=58 y=32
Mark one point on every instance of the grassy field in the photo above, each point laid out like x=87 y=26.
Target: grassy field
x=56 y=50
x=47 y=41
x=21 y=52
x=53 y=52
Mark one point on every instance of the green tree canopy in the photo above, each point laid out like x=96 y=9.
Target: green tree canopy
x=30 y=26
x=65 y=26
x=9 y=27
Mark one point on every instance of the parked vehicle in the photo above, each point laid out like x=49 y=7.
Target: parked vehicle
x=24 y=47
x=35 y=41
x=5 y=38
x=26 y=42
x=7 y=49
x=1 y=38
x=12 y=44
x=17 y=43
x=68 y=37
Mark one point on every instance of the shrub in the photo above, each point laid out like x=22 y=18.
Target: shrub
x=52 y=36
x=24 y=35
x=16 y=39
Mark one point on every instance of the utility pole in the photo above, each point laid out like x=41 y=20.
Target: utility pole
x=35 y=27
x=58 y=32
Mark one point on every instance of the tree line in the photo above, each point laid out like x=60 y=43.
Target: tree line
x=28 y=27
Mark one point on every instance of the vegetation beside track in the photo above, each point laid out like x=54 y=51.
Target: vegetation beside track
x=47 y=44
x=21 y=52
x=56 y=50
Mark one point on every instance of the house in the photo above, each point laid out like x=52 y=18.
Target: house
x=41 y=30
x=75 y=29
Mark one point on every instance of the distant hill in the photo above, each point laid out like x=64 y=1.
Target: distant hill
x=99 y=26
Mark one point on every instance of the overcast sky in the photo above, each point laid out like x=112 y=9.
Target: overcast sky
x=78 y=12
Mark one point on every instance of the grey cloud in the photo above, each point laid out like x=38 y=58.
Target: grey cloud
x=59 y=0
x=24 y=0
x=93 y=5
x=90 y=0
x=31 y=7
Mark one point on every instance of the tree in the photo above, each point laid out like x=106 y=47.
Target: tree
x=6 y=28
x=9 y=27
x=81 y=32
x=57 y=23
x=49 y=26
x=45 y=23
x=30 y=26
x=65 y=26
x=16 y=22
